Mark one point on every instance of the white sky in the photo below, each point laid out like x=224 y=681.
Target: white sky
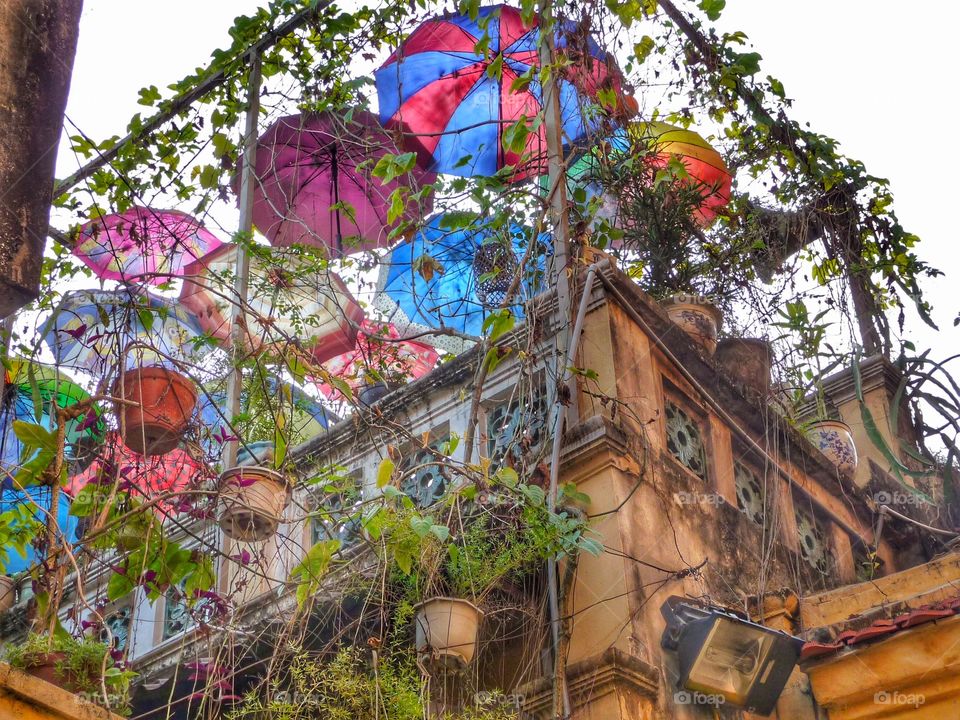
x=877 y=75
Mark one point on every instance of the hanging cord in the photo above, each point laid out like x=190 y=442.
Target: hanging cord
x=335 y=183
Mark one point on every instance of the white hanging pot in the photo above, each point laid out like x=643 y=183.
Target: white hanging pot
x=252 y=502
x=447 y=630
x=835 y=440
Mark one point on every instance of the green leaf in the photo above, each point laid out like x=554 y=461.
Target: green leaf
x=498 y=324
x=312 y=568
x=385 y=472
x=642 y=49
x=442 y=532
x=712 y=8
x=589 y=545
x=507 y=476
x=534 y=493
x=35 y=436
x=421 y=525
x=119 y=586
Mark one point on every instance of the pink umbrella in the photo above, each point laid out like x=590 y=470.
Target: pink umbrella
x=143 y=244
x=315 y=183
x=144 y=478
x=379 y=355
x=288 y=298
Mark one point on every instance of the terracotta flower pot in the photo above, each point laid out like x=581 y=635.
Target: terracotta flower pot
x=46 y=670
x=164 y=403
x=252 y=502
x=835 y=440
x=447 y=630
x=747 y=362
x=8 y=593
x=697 y=317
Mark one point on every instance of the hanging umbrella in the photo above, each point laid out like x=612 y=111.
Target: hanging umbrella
x=143 y=477
x=656 y=144
x=453 y=278
x=315 y=183
x=30 y=391
x=143 y=245
x=91 y=330
x=379 y=355
x=33 y=504
x=289 y=299
x=457 y=104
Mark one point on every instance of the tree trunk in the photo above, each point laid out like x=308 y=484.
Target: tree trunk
x=38 y=40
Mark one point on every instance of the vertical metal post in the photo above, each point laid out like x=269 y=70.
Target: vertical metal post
x=557 y=199
x=237 y=324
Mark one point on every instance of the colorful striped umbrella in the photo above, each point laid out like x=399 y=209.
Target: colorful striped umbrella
x=91 y=330
x=143 y=245
x=315 y=184
x=289 y=299
x=456 y=105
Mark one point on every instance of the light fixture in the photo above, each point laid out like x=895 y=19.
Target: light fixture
x=723 y=654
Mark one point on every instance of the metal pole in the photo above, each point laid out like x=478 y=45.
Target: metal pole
x=557 y=199
x=237 y=324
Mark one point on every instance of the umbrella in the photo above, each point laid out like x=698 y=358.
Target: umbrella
x=143 y=477
x=381 y=355
x=657 y=144
x=458 y=104
x=453 y=277
x=33 y=505
x=91 y=330
x=30 y=389
x=143 y=244
x=315 y=183
x=289 y=298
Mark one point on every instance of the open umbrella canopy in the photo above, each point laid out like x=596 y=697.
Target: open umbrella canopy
x=142 y=244
x=456 y=103
x=315 y=183
x=290 y=299
x=145 y=478
x=30 y=392
x=380 y=356
x=453 y=276
x=92 y=330
x=656 y=145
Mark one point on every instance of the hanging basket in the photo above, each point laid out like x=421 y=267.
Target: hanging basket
x=447 y=630
x=159 y=403
x=8 y=593
x=494 y=267
x=252 y=502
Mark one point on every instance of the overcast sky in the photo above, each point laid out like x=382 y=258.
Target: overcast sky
x=878 y=75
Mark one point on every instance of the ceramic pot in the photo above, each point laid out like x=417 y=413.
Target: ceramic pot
x=747 y=362
x=252 y=502
x=8 y=593
x=697 y=317
x=164 y=401
x=835 y=440
x=447 y=630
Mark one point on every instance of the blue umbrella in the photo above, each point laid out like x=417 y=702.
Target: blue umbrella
x=450 y=276
x=34 y=501
x=90 y=329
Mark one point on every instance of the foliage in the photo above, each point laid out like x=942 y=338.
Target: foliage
x=86 y=664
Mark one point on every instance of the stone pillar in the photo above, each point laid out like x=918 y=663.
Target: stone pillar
x=38 y=40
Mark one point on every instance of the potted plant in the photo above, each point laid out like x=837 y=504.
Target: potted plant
x=78 y=665
x=447 y=630
x=154 y=408
x=834 y=439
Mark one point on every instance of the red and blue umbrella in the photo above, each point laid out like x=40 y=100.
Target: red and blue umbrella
x=456 y=104
x=143 y=244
